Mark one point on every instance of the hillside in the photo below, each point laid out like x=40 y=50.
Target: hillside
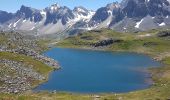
x=154 y=43
x=22 y=65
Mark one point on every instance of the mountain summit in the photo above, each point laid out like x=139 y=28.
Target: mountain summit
x=133 y=15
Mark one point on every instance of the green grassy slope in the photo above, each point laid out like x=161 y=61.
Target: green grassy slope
x=142 y=42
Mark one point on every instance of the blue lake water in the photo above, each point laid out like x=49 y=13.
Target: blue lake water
x=86 y=71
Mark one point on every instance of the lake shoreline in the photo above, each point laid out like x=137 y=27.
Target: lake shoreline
x=132 y=43
x=152 y=55
x=146 y=71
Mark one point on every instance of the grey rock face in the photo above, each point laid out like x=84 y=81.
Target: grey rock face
x=128 y=15
x=60 y=13
x=29 y=13
x=103 y=13
x=81 y=10
x=136 y=8
x=5 y=16
x=54 y=19
x=144 y=15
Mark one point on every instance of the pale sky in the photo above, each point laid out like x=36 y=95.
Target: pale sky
x=14 y=5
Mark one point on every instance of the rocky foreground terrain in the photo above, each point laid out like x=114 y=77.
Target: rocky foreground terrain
x=18 y=72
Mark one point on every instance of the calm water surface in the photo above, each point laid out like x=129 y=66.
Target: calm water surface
x=88 y=71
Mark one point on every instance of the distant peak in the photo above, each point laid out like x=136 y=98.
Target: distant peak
x=80 y=9
x=26 y=8
x=113 y=5
x=23 y=6
x=54 y=6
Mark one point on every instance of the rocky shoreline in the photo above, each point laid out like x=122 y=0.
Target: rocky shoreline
x=24 y=74
x=35 y=55
x=18 y=76
x=15 y=75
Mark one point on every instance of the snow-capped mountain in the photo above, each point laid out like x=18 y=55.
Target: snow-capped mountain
x=132 y=15
x=128 y=15
x=104 y=16
x=51 y=20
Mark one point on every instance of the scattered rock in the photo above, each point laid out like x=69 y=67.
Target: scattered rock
x=20 y=80
x=17 y=77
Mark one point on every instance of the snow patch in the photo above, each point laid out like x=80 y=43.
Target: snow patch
x=138 y=24
x=108 y=23
x=43 y=13
x=81 y=17
x=54 y=7
x=168 y=1
x=32 y=28
x=24 y=21
x=147 y=0
x=80 y=10
x=162 y=24
x=109 y=12
x=15 y=24
x=10 y=25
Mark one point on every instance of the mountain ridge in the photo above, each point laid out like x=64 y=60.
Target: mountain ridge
x=128 y=15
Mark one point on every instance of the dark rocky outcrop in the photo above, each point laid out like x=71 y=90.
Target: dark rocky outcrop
x=106 y=42
x=164 y=34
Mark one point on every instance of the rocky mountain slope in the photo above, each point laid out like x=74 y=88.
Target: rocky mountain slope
x=53 y=19
x=128 y=15
x=133 y=15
